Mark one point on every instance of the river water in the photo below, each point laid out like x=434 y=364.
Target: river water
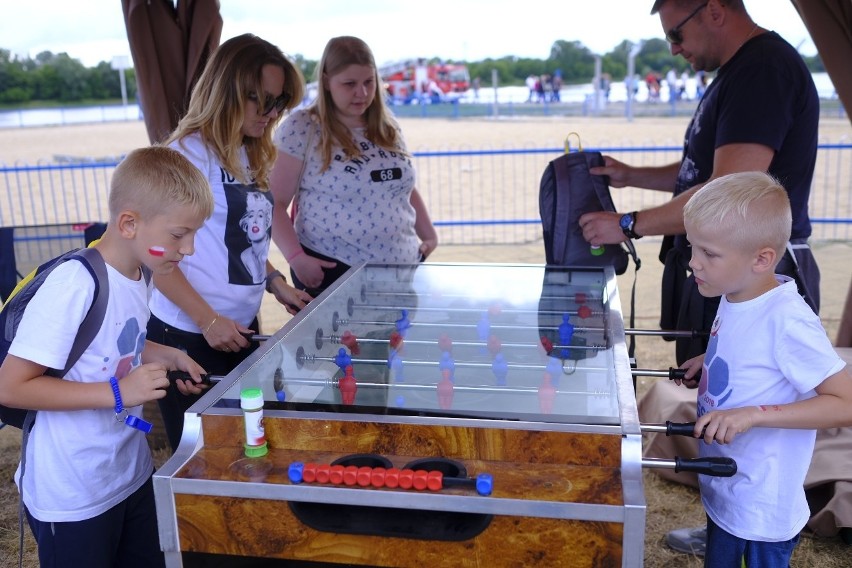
x=486 y=95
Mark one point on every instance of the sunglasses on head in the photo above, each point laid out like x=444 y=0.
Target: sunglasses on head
x=278 y=103
x=674 y=35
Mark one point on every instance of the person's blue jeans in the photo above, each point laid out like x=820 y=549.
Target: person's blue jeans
x=724 y=550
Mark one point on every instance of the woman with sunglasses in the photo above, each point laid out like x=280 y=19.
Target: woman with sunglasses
x=209 y=306
x=345 y=161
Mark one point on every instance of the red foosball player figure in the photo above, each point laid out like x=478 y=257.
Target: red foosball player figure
x=349 y=340
x=445 y=344
x=348 y=387
x=546 y=344
x=445 y=391
x=494 y=345
x=584 y=312
x=396 y=341
x=546 y=394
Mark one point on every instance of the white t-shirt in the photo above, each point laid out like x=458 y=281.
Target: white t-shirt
x=228 y=268
x=82 y=463
x=770 y=350
x=359 y=209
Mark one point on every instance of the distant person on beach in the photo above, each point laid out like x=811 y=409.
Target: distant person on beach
x=652 y=80
x=683 y=83
x=532 y=82
x=770 y=377
x=209 y=306
x=760 y=113
x=700 y=83
x=557 y=86
x=344 y=162
x=671 y=83
x=85 y=477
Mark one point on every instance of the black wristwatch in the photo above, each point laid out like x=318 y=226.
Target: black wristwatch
x=627 y=222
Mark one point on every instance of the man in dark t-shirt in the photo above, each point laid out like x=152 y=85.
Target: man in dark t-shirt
x=761 y=112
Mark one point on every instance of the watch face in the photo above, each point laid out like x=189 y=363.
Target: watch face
x=625 y=221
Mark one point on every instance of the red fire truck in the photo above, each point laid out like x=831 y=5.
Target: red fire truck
x=411 y=79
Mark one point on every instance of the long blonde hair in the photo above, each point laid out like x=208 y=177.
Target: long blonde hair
x=218 y=102
x=382 y=130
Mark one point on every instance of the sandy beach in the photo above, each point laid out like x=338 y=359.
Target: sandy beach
x=42 y=144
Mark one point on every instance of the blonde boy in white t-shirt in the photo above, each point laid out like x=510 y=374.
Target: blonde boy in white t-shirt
x=86 y=487
x=769 y=378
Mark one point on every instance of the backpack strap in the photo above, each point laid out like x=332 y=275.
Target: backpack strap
x=561 y=174
x=92 y=260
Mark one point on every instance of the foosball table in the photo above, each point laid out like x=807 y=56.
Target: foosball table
x=427 y=414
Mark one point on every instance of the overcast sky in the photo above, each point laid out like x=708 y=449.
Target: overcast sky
x=93 y=30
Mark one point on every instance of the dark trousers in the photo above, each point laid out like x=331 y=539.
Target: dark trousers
x=330 y=277
x=125 y=536
x=174 y=404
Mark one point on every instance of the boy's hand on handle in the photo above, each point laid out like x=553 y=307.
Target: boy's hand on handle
x=146 y=382
x=183 y=362
x=310 y=270
x=225 y=334
x=692 y=376
x=723 y=426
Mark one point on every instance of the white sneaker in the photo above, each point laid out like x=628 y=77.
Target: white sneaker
x=689 y=541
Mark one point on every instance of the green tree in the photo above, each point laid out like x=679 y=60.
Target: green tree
x=16 y=85
x=73 y=78
x=573 y=59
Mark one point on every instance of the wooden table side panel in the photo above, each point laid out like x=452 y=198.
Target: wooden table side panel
x=460 y=442
x=532 y=482
x=247 y=527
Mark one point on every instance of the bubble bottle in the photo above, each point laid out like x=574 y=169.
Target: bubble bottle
x=251 y=401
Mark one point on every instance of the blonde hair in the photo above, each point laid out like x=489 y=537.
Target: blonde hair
x=382 y=130
x=751 y=208
x=154 y=179
x=217 y=105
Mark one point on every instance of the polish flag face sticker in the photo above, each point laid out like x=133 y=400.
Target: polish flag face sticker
x=156 y=251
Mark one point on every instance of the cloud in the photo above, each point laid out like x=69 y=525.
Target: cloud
x=452 y=29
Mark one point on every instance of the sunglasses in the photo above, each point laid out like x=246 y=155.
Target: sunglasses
x=278 y=103
x=674 y=36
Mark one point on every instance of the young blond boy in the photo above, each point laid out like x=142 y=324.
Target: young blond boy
x=769 y=378
x=86 y=487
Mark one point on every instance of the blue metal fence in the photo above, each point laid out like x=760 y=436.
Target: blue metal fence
x=476 y=196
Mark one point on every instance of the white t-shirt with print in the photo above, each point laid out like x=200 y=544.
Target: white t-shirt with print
x=228 y=268
x=765 y=351
x=81 y=463
x=359 y=209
